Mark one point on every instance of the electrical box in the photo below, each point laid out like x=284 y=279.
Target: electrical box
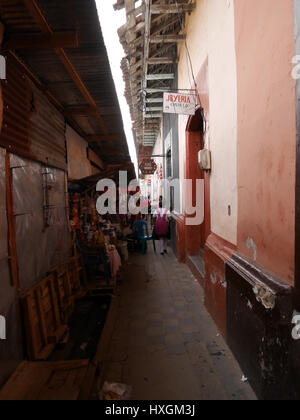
x=204 y=159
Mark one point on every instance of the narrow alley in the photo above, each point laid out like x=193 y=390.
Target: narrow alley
x=149 y=201
x=164 y=342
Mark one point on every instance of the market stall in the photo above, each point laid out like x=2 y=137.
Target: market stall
x=100 y=238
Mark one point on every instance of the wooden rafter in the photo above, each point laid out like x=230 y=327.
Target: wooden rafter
x=162 y=39
x=87 y=111
x=162 y=60
x=172 y=8
x=41 y=21
x=160 y=76
x=47 y=92
x=149 y=68
x=42 y=41
x=109 y=137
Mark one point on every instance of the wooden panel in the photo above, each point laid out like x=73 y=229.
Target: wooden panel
x=70 y=284
x=64 y=292
x=49 y=382
x=48 y=306
x=43 y=325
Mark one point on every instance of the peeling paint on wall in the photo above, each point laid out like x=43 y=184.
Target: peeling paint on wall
x=265 y=297
x=213 y=278
x=216 y=278
x=251 y=244
x=224 y=284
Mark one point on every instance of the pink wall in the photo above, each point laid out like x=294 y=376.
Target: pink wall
x=266 y=133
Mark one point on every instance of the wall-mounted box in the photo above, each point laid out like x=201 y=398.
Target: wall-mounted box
x=204 y=159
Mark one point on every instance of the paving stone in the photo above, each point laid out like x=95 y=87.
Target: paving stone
x=155 y=317
x=155 y=324
x=195 y=352
x=171 y=323
x=171 y=330
x=168 y=311
x=169 y=350
x=156 y=340
x=114 y=372
x=159 y=331
x=192 y=337
x=137 y=340
x=138 y=324
x=119 y=353
x=182 y=315
x=170 y=316
x=156 y=348
x=138 y=314
x=189 y=329
x=176 y=349
x=172 y=339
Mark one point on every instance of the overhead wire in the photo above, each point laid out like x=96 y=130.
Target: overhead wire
x=189 y=58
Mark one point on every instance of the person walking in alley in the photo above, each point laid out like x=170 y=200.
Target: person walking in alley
x=163 y=217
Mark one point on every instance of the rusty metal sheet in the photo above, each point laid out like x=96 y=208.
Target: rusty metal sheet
x=90 y=61
x=39 y=248
x=32 y=126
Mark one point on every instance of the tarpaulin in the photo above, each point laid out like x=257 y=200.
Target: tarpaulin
x=40 y=246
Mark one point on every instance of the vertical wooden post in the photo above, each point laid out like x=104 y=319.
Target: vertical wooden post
x=12 y=243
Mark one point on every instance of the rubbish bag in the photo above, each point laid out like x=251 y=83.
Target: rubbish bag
x=115 y=392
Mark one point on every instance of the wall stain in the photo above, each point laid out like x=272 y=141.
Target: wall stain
x=251 y=244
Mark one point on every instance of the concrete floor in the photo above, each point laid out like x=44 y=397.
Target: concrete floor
x=165 y=344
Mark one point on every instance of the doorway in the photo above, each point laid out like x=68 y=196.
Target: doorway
x=196 y=236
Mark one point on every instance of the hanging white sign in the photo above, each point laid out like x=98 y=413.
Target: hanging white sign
x=179 y=103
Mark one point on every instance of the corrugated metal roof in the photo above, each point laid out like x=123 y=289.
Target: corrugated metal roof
x=89 y=60
x=32 y=126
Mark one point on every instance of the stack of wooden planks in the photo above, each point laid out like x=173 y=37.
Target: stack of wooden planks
x=48 y=306
x=44 y=381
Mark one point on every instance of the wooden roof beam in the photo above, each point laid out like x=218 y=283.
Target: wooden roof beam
x=98 y=139
x=154 y=116
x=40 y=19
x=89 y=111
x=172 y=8
x=135 y=12
x=162 y=60
x=120 y=4
x=42 y=41
x=164 y=48
x=47 y=92
x=165 y=25
x=163 y=39
x=49 y=95
x=154 y=108
x=158 y=76
x=154 y=100
x=156 y=90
